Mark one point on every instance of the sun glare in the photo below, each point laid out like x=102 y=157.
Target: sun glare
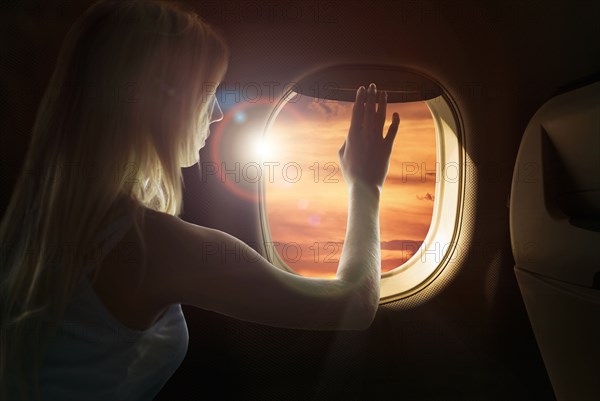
x=263 y=148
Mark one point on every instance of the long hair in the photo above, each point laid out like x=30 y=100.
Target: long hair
x=127 y=106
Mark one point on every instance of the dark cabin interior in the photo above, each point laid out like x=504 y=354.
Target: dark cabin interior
x=466 y=337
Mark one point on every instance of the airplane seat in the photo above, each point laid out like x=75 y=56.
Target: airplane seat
x=555 y=237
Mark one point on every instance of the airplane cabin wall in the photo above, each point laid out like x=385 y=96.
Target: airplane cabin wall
x=499 y=61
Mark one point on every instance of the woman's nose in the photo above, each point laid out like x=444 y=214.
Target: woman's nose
x=217 y=113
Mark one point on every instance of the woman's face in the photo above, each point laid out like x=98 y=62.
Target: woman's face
x=216 y=115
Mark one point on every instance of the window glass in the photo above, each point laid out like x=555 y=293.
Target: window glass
x=306 y=197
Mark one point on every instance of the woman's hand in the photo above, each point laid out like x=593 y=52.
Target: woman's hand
x=365 y=154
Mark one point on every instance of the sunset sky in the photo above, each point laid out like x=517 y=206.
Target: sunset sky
x=307 y=205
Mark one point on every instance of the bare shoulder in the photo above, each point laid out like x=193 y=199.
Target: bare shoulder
x=137 y=293
x=171 y=237
x=178 y=252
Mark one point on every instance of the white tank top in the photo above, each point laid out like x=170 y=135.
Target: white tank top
x=95 y=357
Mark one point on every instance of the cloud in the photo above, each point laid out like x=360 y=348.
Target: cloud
x=389 y=264
x=329 y=109
x=316 y=272
x=288 y=225
x=401 y=244
x=426 y=197
x=412 y=177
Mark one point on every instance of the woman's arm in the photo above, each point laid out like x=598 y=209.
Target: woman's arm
x=213 y=270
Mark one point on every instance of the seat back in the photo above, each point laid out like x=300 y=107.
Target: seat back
x=555 y=237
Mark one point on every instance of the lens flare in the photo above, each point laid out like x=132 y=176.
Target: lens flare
x=263 y=148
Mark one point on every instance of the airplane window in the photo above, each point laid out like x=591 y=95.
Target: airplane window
x=303 y=204
x=306 y=197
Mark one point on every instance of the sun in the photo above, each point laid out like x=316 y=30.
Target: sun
x=263 y=148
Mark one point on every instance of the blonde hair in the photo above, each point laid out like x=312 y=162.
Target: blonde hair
x=127 y=106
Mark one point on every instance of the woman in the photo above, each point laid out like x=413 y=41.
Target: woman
x=96 y=262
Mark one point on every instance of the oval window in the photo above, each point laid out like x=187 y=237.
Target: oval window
x=304 y=209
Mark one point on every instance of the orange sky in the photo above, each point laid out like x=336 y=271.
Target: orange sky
x=308 y=212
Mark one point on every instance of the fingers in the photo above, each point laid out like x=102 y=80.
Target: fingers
x=380 y=114
x=358 y=111
x=370 y=108
x=393 y=130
